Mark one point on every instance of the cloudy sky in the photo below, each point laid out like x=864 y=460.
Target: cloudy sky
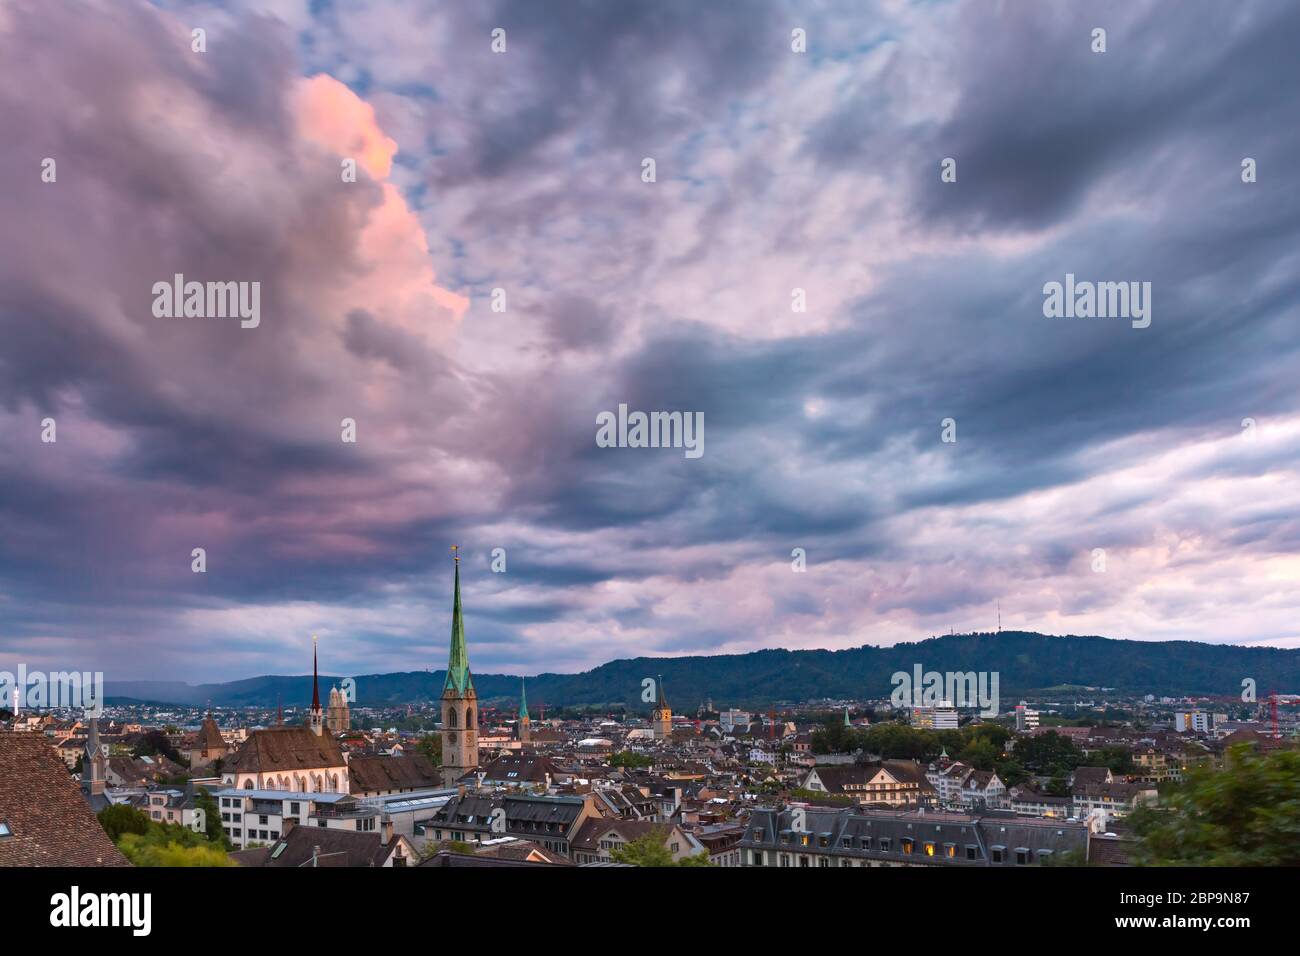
x=522 y=171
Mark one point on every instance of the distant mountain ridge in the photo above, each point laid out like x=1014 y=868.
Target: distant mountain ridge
x=1025 y=662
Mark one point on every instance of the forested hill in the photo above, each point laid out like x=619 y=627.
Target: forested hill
x=1025 y=662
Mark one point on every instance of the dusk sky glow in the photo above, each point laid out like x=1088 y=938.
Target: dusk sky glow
x=522 y=171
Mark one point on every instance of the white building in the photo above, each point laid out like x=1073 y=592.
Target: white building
x=1026 y=719
x=1194 y=721
x=942 y=717
x=252 y=817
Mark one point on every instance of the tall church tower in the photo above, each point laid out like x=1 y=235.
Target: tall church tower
x=662 y=719
x=94 y=767
x=317 y=719
x=459 y=701
x=339 y=716
x=525 y=725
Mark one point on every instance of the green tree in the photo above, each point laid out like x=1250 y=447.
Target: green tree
x=120 y=819
x=626 y=758
x=1247 y=814
x=431 y=746
x=156 y=743
x=206 y=802
x=151 y=850
x=1048 y=753
x=651 y=850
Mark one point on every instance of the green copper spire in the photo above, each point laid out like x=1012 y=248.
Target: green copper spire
x=662 y=701
x=458 y=678
x=846 y=718
x=523 y=700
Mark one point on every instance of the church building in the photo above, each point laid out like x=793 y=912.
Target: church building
x=525 y=726
x=339 y=717
x=304 y=759
x=459 y=701
x=661 y=721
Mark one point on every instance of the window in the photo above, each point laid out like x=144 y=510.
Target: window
x=1022 y=855
x=998 y=852
x=294 y=809
x=4 y=830
x=972 y=853
x=907 y=844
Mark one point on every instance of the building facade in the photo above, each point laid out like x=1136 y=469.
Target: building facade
x=805 y=836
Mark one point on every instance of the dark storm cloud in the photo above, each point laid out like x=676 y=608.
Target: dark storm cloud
x=1116 y=166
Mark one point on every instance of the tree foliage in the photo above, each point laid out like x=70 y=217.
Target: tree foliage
x=651 y=850
x=147 y=843
x=431 y=746
x=120 y=819
x=1246 y=814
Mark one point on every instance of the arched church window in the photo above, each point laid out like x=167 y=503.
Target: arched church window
x=469 y=717
x=451 y=717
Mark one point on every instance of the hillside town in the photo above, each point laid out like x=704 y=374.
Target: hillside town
x=459 y=784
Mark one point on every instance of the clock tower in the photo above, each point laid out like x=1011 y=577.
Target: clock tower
x=459 y=701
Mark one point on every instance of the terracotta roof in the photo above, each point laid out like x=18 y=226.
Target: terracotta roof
x=209 y=736
x=277 y=749
x=412 y=772
x=48 y=820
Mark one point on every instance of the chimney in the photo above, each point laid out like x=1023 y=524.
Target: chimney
x=386 y=832
x=315 y=855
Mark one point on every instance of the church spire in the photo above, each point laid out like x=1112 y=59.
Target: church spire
x=315 y=677
x=523 y=700
x=317 y=719
x=458 y=677
x=663 y=702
